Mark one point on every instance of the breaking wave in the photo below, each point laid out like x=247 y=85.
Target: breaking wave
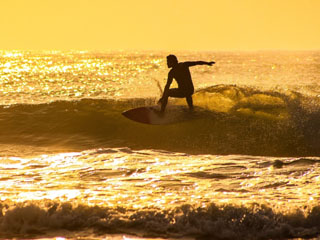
x=229 y=120
x=48 y=218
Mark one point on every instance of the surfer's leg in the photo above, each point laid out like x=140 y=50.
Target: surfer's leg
x=190 y=102
x=176 y=93
x=173 y=92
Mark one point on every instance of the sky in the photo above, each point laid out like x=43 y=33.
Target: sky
x=160 y=24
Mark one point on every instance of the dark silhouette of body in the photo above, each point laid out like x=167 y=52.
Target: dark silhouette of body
x=180 y=72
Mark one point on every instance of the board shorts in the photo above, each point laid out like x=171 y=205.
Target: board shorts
x=179 y=93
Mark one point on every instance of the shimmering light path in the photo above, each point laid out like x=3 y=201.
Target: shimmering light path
x=153 y=179
x=34 y=77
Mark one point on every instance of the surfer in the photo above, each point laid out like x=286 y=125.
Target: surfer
x=181 y=73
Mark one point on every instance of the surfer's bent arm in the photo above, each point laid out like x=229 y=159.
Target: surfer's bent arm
x=190 y=64
x=166 y=89
x=169 y=81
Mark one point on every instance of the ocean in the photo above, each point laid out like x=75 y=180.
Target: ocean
x=245 y=166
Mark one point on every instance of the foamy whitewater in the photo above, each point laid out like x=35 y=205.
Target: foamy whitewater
x=245 y=166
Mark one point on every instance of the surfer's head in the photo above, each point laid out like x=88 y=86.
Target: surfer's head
x=172 y=60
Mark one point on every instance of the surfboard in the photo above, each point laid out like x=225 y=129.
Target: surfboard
x=152 y=115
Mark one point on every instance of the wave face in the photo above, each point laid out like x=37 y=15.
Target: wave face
x=229 y=120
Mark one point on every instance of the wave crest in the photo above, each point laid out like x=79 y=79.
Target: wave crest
x=31 y=219
x=229 y=120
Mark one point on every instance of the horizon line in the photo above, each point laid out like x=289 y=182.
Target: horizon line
x=162 y=50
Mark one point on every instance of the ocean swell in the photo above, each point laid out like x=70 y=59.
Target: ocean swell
x=228 y=120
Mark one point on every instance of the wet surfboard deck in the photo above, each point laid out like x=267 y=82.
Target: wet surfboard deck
x=152 y=115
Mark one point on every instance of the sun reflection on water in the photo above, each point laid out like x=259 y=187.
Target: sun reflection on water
x=56 y=75
x=147 y=179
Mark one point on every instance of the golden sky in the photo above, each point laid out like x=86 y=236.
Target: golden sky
x=160 y=24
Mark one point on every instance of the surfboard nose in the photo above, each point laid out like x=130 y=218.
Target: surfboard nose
x=141 y=114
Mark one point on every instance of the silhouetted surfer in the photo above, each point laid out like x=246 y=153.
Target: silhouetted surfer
x=180 y=72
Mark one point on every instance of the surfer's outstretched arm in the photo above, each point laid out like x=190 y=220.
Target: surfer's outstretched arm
x=190 y=64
